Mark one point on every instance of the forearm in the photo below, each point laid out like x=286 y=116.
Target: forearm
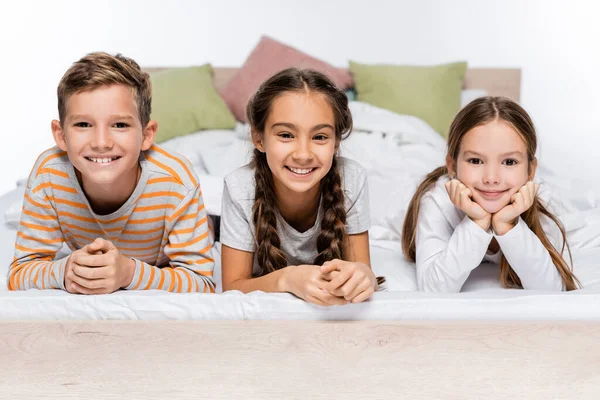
x=446 y=269
x=276 y=281
x=529 y=258
x=37 y=275
x=177 y=279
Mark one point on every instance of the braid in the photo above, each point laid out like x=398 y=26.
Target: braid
x=333 y=225
x=268 y=249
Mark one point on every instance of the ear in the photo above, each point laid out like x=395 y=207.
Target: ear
x=533 y=168
x=258 y=141
x=59 y=135
x=450 y=166
x=149 y=134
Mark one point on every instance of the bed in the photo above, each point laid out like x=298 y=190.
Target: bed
x=468 y=325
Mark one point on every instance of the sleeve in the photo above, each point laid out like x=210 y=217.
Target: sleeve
x=358 y=217
x=189 y=247
x=236 y=229
x=529 y=258
x=446 y=255
x=39 y=238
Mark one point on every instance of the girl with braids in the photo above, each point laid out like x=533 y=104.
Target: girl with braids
x=296 y=218
x=483 y=206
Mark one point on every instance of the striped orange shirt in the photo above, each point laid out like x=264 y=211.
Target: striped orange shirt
x=163 y=226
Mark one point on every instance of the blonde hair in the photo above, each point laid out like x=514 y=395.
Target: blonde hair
x=99 y=69
x=480 y=112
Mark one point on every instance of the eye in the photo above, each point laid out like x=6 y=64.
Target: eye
x=510 y=162
x=121 y=125
x=475 y=161
x=320 y=137
x=81 y=124
x=285 y=135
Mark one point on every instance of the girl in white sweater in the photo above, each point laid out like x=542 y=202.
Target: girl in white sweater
x=483 y=206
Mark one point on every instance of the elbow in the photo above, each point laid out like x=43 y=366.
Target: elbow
x=431 y=279
x=232 y=284
x=436 y=287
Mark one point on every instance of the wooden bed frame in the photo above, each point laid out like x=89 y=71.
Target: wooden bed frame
x=496 y=81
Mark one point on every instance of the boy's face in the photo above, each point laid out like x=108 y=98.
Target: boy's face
x=103 y=136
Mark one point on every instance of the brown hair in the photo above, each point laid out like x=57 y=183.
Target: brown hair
x=332 y=236
x=99 y=69
x=480 y=112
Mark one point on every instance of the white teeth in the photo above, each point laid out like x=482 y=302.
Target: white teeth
x=301 y=171
x=102 y=160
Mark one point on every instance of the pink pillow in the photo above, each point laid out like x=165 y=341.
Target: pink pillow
x=268 y=58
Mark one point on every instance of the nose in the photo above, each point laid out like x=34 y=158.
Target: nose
x=303 y=151
x=101 y=138
x=491 y=175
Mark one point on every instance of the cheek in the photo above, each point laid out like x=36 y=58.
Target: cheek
x=517 y=177
x=466 y=174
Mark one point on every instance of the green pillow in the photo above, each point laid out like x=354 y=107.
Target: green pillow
x=431 y=93
x=184 y=100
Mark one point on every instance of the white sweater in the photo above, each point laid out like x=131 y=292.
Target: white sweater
x=449 y=245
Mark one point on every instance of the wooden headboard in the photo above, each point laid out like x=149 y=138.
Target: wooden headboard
x=495 y=81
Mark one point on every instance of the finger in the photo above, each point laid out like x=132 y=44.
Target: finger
x=330 y=275
x=363 y=296
x=532 y=190
x=88 y=272
x=89 y=283
x=448 y=186
x=92 y=260
x=329 y=266
x=527 y=197
x=329 y=299
x=99 y=244
x=360 y=288
x=94 y=246
x=339 y=280
x=518 y=201
x=84 y=290
x=347 y=288
x=71 y=286
x=314 y=300
x=465 y=199
x=455 y=190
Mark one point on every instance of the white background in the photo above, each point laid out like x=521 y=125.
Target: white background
x=555 y=43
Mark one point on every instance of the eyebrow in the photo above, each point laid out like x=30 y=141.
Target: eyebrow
x=118 y=116
x=292 y=126
x=510 y=153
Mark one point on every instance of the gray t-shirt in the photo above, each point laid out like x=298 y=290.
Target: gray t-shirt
x=237 y=228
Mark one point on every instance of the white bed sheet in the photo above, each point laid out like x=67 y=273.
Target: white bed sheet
x=396 y=151
x=482 y=298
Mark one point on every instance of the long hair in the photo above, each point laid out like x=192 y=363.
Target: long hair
x=480 y=112
x=333 y=236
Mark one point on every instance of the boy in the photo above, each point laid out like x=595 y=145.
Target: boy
x=131 y=212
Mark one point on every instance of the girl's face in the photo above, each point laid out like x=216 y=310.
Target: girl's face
x=299 y=141
x=492 y=162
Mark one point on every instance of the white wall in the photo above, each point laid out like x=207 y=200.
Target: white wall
x=554 y=42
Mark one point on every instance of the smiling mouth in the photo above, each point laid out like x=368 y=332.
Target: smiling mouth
x=301 y=171
x=102 y=160
x=492 y=195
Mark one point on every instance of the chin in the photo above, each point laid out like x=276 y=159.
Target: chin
x=493 y=207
